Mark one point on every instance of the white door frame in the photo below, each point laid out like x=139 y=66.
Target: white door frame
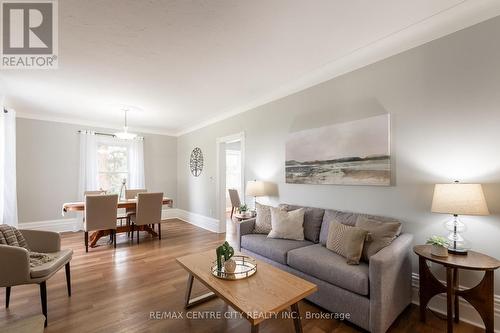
x=220 y=176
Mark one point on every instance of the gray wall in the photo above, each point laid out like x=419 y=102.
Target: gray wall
x=444 y=99
x=47 y=167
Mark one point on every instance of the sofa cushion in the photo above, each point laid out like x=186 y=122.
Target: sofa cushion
x=313 y=217
x=316 y=260
x=61 y=258
x=272 y=248
x=347 y=218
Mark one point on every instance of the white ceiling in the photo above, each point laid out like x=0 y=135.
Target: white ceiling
x=190 y=63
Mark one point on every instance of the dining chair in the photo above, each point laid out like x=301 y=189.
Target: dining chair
x=131 y=194
x=100 y=214
x=98 y=192
x=235 y=200
x=149 y=206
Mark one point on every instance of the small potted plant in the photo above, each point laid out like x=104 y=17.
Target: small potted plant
x=243 y=209
x=439 y=246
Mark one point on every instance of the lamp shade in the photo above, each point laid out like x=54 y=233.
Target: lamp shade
x=258 y=188
x=459 y=199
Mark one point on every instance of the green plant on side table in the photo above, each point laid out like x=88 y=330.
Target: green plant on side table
x=439 y=246
x=243 y=208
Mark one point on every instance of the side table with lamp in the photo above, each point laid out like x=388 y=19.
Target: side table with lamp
x=458 y=199
x=258 y=188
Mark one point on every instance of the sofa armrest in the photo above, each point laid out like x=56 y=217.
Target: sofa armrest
x=42 y=241
x=15 y=265
x=244 y=228
x=390 y=274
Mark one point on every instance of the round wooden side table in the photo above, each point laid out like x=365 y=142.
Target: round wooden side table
x=480 y=296
x=242 y=217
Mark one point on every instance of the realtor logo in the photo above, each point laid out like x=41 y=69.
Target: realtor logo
x=29 y=34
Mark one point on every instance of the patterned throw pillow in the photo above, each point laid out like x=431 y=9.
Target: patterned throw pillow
x=263 y=219
x=346 y=241
x=11 y=236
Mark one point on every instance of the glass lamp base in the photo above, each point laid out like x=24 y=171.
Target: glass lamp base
x=457 y=244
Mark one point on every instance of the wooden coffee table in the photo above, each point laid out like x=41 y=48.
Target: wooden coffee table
x=259 y=297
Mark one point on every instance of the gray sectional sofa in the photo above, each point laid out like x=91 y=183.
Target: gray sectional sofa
x=373 y=294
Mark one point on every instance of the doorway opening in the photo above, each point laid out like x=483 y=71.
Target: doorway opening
x=230 y=182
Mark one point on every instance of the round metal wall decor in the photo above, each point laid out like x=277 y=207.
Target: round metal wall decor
x=196 y=162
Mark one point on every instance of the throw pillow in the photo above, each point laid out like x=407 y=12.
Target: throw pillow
x=263 y=219
x=287 y=225
x=313 y=218
x=381 y=234
x=346 y=241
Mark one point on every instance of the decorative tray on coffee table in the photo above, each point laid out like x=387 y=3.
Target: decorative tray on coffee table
x=245 y=267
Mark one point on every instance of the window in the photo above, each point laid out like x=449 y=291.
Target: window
x=112 y=161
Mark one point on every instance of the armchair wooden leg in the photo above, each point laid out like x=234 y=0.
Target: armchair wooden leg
x=159 y=231
x=7 y=297
x=86 y=240
x=68 y=278
x=43 y=298
x=114 y=238
x=137 y=236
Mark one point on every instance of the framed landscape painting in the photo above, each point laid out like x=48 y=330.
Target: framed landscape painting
x=350 y=153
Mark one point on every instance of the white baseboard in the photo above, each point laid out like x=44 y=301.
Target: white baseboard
x=65 y=225
x=467 y=312
x=62 y=225
x=205 y=222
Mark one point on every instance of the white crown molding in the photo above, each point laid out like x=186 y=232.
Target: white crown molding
x=81 y=122
x=463 y=15
x=460 y=16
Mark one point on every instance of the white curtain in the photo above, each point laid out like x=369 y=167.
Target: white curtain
x=136 y=164
x=8 y=190
x=88 y=179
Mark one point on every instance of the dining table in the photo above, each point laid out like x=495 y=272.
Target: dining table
x=129 y=204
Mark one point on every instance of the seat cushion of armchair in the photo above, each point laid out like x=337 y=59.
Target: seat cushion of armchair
x=272 y=248
x=318 y=261
x=47 y=269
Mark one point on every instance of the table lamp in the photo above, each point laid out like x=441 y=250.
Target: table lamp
x=257 y=188
x=458 y=199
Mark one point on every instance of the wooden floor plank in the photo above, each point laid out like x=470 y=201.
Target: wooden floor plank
x=115 y=291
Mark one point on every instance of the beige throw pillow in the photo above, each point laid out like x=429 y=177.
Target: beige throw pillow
x=263 y=219
x=346 y=241
x=381 y=234
x=287 y=225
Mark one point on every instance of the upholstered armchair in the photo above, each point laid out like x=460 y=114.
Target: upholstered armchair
x=16 y=268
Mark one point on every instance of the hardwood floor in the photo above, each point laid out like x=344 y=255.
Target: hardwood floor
x=116 y=290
